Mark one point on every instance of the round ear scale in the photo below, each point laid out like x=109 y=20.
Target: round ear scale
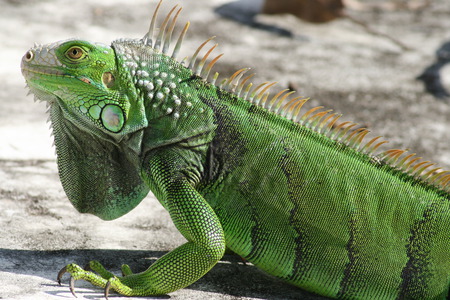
x=112 y=118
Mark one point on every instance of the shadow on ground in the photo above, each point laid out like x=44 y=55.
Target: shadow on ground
x=231 y=276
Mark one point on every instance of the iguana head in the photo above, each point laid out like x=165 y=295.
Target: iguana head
x=83 y=80
x=109 y=105
x=97 y=141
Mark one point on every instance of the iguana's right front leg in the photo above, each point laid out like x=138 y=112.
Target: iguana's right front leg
x=192 y=216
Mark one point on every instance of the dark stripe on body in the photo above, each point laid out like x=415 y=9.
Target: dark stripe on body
x=289 y=166
x=416 y=274
x=226 y=153
x=228 y=147
x=348 y=281
x=257 y=235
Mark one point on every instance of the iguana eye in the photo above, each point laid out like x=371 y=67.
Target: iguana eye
x=75 y=53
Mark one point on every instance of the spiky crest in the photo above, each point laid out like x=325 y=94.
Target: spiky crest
x=324 y=122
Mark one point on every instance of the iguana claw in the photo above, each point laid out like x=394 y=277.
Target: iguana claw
x=72 y=286
x=60 y=275
x=71 y=281
x=107 y=287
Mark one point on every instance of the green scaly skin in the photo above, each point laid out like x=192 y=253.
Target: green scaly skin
x=320 y=214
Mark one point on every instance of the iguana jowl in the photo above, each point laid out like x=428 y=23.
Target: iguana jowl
x=299 y=195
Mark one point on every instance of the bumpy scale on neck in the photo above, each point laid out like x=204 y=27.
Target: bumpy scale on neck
x=169 y=92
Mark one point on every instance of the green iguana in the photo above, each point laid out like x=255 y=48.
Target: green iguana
x=300 y=196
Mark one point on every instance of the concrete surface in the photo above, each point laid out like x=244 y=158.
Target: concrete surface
x=339 y=65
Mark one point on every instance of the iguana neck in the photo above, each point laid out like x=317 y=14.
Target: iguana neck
x=169 y=93
x=130 y=145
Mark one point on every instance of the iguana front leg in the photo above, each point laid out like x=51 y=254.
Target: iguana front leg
x=193 y=217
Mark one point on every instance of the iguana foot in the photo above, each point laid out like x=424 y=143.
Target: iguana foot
x=129 y=285
x=77 y=273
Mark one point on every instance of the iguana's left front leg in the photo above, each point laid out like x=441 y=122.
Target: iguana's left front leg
x=192 y=216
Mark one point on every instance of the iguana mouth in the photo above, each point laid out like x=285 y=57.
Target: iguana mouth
x=34 y=74
x=27 y=69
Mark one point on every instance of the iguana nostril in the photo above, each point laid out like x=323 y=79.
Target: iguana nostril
x=29 y=56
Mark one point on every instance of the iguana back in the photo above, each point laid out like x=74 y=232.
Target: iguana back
x=299 y=195
x=323 y=215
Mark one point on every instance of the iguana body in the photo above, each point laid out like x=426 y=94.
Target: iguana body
x=298 y=196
